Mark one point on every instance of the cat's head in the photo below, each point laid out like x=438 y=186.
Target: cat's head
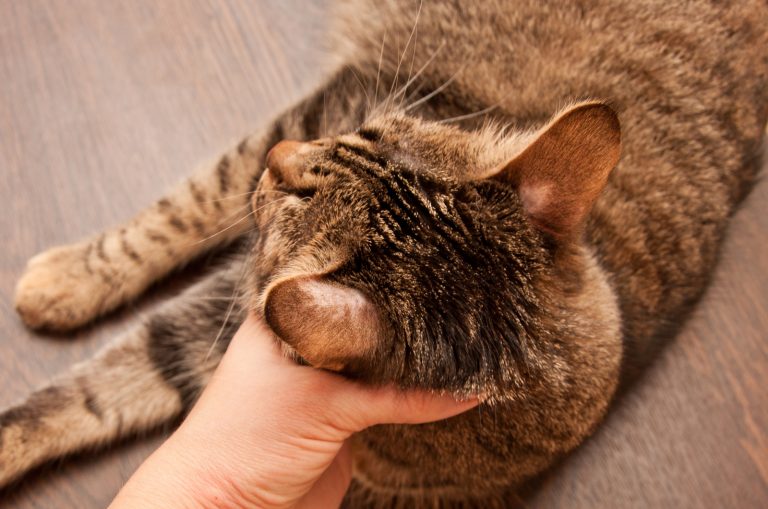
x=418 y=253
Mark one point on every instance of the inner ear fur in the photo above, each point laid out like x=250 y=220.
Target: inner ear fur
x=330 y=325
x=562 y=172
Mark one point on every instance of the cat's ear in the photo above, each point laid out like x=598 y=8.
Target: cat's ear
x=561 y=173
x=331 y=326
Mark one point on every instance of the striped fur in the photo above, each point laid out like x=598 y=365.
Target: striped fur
x=473 y=296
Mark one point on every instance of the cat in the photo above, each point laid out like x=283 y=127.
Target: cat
x=512 y=200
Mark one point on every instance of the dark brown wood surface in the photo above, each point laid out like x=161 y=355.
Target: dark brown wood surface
x=103 y=105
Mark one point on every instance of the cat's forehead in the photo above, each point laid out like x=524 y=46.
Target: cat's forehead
x=435 y=146
x=401 y=129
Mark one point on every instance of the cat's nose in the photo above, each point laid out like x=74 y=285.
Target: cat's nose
x=287 y=160
x=283 y=160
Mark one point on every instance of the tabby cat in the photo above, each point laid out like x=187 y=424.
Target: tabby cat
x=511 y=199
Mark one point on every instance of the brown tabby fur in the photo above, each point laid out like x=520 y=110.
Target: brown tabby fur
x=466 y=234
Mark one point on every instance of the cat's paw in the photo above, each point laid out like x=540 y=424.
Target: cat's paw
x=59 y=289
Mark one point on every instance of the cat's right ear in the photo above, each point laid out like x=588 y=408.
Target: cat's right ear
x=330 y=325
x=563 y=170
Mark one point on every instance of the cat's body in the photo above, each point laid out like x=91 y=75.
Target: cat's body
x=585 y=304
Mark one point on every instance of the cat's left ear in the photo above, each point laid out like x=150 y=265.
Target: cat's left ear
x=330 y=325
x=562 y=172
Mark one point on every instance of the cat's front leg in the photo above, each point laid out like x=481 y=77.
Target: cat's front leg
x=142 y=380
x=116 y=393
x=70 y=285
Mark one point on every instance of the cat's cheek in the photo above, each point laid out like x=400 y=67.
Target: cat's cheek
x=265 y=258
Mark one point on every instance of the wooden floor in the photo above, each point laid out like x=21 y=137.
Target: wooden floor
x=103 y=105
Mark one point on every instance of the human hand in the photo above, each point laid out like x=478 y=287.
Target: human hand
x=269 y=433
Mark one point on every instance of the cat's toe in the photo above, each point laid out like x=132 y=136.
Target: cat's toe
x=58 y=291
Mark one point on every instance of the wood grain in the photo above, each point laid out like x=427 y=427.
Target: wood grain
x=105 y=104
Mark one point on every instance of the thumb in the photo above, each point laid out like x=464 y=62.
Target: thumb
x=365 y=407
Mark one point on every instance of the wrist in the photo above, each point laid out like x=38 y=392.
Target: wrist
x=164 y=480
x=174 y=477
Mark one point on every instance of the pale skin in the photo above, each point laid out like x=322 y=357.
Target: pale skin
x=268 y=433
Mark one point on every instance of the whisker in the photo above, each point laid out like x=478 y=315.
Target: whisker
x=413 y=53
x=470 y=115
x=325 y=115
x=378 y=72
x=240 y=195
x=251 y=213
x=269 y=221
x=365 y=91
x=480 y=112
x=226 y=229
x=234 y=213
x=231 y=306
x=414 y=93
x=435 y=91
x=418 y=73
x=393 y=87
x=212 y=299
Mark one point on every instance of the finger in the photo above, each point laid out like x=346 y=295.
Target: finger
x=364 y=407
x=417 y=407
